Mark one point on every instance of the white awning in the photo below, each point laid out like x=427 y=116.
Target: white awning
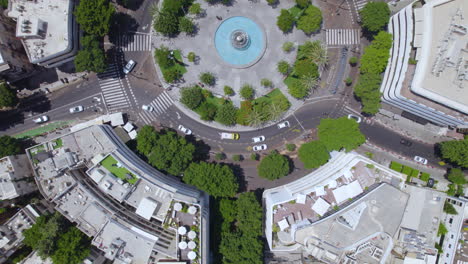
x=319 y=191
x=283 y=224
x=128 y=127
x=348 y=191
x=146 y=208
x=332 y=184
x=132 y=134
x=301 y=198
x=320 y=206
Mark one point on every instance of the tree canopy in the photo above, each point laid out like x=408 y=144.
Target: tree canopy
x=166 y=23
x=313 y=154
x=72 y=247
x=311 y=20
x=285 y=21
x=226 y=114
x=273 y=166
x=215 y=179
x=340 y=133
x=375 y=16
x=456 y=176
x=91 y=56
x=165 y=150
x=449 y=208
x=375 y=57
x=94 y=16
x=191 y=96
x=9 y=146
x=368 y=91
x=455 y=151
x=7 y=96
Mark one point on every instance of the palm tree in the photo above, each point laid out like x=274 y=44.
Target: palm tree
x=274 y=112
x=317 y=52
x=255 y=118
x=310 y=82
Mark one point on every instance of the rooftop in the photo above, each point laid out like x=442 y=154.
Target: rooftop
x=13 y=171
x=43 y=25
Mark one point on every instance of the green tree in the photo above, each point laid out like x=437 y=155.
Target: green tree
x=249 y=214
x=449 y=209
x=43 y=235
x=274 y=111
x=291 y=147
x=228 y=90
x=247 y=92
x=195 y=9
x=226 y=114
x=375 y=16
x=285 y=21
x=255 y=118
x=72 y=247
x=375 y=57
x=191 y=56
x=215 y=179
x=455 y=151
x=340 y=133
x=442 y=229
x=283 y=67
x=91 y=56
x=267 y=83
x=172 y=75
x=7 y=96
x=207 y=111
x=207 y=78
x=303 y=3
x=313 y=154
x=186 y=25
x=353 y=61
x=166 y=23
x=298 y=90
x=94 y=16
x=314 y=51
x=311 y=20
x=456 y=176
x=305 y=67
x=191 y=97
x=147 y=137
x=4 y=4
x=237 y=157
x=288 y=46
x=273 y=166
x=254 y=156
x=9 y=146
x=368 y=91
x=309 y=82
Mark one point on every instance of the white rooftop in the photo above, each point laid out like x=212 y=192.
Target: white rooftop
x=43 y=25
x=320 y=206
x=346 y=192
x=146 y=208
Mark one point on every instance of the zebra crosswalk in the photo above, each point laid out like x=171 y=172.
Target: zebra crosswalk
x=134 y=42
x=113 y=91
x=160 y=105
x=337 y=37
x=359 y=4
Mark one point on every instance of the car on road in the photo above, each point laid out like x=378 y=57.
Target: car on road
x=233 y=136
x=259 y=147
x=76 y=109
x=405 y=142
x=283 y=124
x=185 y=130
x=129 y=67
x=355 y=117
x=258 y=139
x=420 y=160
x=41 y=119
x=148 y=108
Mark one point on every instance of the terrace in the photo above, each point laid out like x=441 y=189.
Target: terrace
x=114 y=167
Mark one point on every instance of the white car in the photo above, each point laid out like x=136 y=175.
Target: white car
x=283 y=124
x=259 y=147
x=129 y=67
x=258 y=139
x=41 y=119
x=420 y=160
x=357 y=118
x=148 y=108
x=76 y=109
x=185 y=130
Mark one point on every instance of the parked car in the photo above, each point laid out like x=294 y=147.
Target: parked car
x=405 y=142
x=185 y=130
x=430 y=183
x=129 y=67
x=420 y=160
x=258 y=139
x=355 y=117
x=41 y=119
x=260 y=147
x=148 y=108
x=233 y=136
x=283 y=124
x=76 y=109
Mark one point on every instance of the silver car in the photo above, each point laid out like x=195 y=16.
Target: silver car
x=129 y=67
x=76 y=109
x=259 y=147
x=283 y=124
x=185 y=130
x=148 y=108
x=420 y=160
x=41 y=119
x=258 y=139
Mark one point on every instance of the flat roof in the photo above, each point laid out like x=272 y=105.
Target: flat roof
x=146 y=208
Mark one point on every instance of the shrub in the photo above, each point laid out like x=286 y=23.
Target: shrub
x=285 y=21
x=220 y=156
x=348 y=81
x=244 y=113
x=228 y=90
x=272 y=2
x=186 y=25
x=353 y=61
x=166 y=23
x=412 y=61
x=207 y=111
x=237 y=157
x=407 y=170
x=266 y=83
x=172 y=75
x=191 y=56
x=283 y=67
x=247 y=92
x=254 y=156
x=163 y=58
x=303 y=3
x=226 y=114
x=291 y=147
x=311 y=20
x=298 y=90
x=396 y=166
x=425 y=176
x=195 y=9
x=288 y=46
x=207 y=78
x=305 y=68
x=449 y=209
x=191 y=96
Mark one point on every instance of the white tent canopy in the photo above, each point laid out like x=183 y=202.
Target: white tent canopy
x=182 y=245
x=192 y=234
x=348 y=191
x=192 y=245
x=319 y=190
x=192 y=255
x=320 y=206
x=177 y=206
x=192 y=210
x=301 y=198
x=283 y=224
x=182 y=230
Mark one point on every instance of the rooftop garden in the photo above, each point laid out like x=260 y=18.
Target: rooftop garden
x=114 y=167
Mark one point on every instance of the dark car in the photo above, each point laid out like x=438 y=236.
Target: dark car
x=405 y=142
x=430 y=183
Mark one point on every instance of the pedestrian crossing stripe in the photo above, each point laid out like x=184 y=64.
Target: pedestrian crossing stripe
x=112 y=89
x=160 y=105
x=134 y=42
x=337 y=37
